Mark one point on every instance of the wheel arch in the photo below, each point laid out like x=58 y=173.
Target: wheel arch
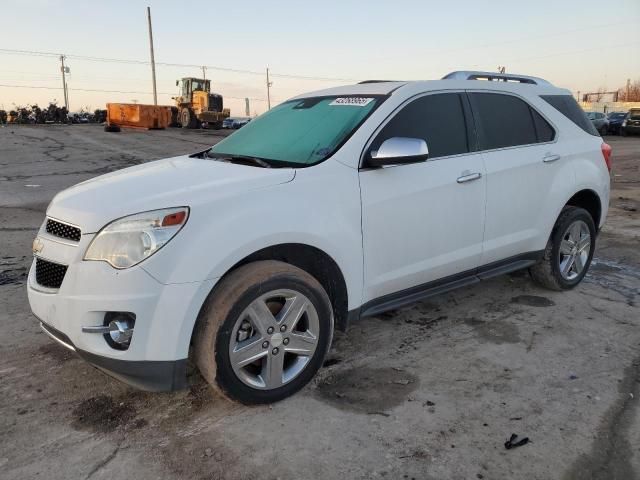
x=590 y=201
x=317 y=263
x=312 y=260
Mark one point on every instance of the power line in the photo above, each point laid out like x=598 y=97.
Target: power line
x=574 y=52
x=30 y=86
x=529 y=37
x=168 y=64
x=117 y=91
x=305 y=77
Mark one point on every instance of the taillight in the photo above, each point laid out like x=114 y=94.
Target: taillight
x=606 y=153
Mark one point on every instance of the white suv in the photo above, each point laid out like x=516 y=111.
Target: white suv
x=331 y=206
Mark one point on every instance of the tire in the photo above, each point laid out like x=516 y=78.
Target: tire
x=603 y=130
x=623 y=132
x=235 y=326
x=559 y=252
x=188 y=118
x=175 y=117
x=111 y=128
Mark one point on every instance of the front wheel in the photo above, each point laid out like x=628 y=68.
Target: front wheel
x=263 y=332
x=188 y=118
x=569 y=251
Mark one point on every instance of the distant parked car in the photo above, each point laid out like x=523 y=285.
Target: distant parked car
x=615 y=122
x=631 y=124
x=240 y=122
x=600 y=121
x=228 y=122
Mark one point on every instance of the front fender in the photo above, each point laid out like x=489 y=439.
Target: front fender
x=319 y=208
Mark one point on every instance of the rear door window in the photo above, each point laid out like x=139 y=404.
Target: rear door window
x=504 y=121
x=568 y=106
x=438 y=119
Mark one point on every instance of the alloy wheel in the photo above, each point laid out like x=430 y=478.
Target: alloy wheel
x=273 y=339
x=574 y=250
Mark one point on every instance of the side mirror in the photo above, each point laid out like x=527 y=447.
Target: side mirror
x=398 y=150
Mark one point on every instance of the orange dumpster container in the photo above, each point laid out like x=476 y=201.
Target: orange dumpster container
x=137 y=115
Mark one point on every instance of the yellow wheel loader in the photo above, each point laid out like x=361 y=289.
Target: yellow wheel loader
x=197 y=106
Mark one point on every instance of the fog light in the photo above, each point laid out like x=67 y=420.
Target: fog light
x=120 y=331
x=120 y=326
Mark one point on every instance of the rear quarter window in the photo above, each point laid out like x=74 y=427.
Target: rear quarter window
x=568 y=106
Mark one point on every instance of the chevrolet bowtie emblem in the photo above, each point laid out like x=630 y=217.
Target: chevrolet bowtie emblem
x=37 y=246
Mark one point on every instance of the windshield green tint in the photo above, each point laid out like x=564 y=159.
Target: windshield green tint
x=301 y=132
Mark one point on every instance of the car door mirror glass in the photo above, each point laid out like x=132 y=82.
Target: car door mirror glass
x=399 y=150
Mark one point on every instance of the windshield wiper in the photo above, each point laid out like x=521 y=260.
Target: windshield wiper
x=241 y=159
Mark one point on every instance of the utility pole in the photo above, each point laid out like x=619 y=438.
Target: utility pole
x=204 y=72
x=153 y=62
x=268 y=91
x=64 y=70
x=626 y=98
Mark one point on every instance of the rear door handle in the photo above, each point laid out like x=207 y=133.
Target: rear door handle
x=550 y=157
x=469 y=177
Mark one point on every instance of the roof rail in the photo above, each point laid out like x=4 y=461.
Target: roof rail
x=492 y=76
x=376 y=81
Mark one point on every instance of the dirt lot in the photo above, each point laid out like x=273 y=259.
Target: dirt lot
x=427 y=392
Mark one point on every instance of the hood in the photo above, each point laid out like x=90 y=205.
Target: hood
x=179 y=181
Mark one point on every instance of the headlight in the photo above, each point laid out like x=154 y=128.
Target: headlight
x=624 y=123
x=127 y=241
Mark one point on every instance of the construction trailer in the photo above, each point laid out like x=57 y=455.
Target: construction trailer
x=137 y=115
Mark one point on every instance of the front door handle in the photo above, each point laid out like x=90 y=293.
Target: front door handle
x=550 y=157
x=469 y=177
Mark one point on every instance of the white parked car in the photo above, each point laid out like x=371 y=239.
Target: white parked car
x=331 y=206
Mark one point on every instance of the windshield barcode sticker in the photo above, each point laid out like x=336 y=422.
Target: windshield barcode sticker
x=353 y=101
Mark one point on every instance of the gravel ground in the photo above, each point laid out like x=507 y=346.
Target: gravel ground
x=431 y=391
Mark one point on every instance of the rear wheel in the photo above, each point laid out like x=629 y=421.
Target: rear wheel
x=264 y=332
x=569 y=251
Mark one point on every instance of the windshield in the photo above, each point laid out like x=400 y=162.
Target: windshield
x=617 y=116
x=635 y=114
x=591 y=115
x=299 y=132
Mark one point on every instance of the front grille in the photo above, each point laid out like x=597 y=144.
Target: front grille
x=63 y=230
x=49 y=274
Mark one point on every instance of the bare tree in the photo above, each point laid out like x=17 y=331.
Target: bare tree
x=630 y=92
x=599 y=94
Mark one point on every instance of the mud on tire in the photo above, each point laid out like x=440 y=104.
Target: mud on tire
x=547 y=271
x=217 y=328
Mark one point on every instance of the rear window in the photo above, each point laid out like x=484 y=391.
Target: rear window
x=568 y=106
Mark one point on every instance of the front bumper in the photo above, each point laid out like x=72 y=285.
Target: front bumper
x=153 y=376
x=164 y=315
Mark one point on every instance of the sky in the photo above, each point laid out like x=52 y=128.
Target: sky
x=581 y=45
